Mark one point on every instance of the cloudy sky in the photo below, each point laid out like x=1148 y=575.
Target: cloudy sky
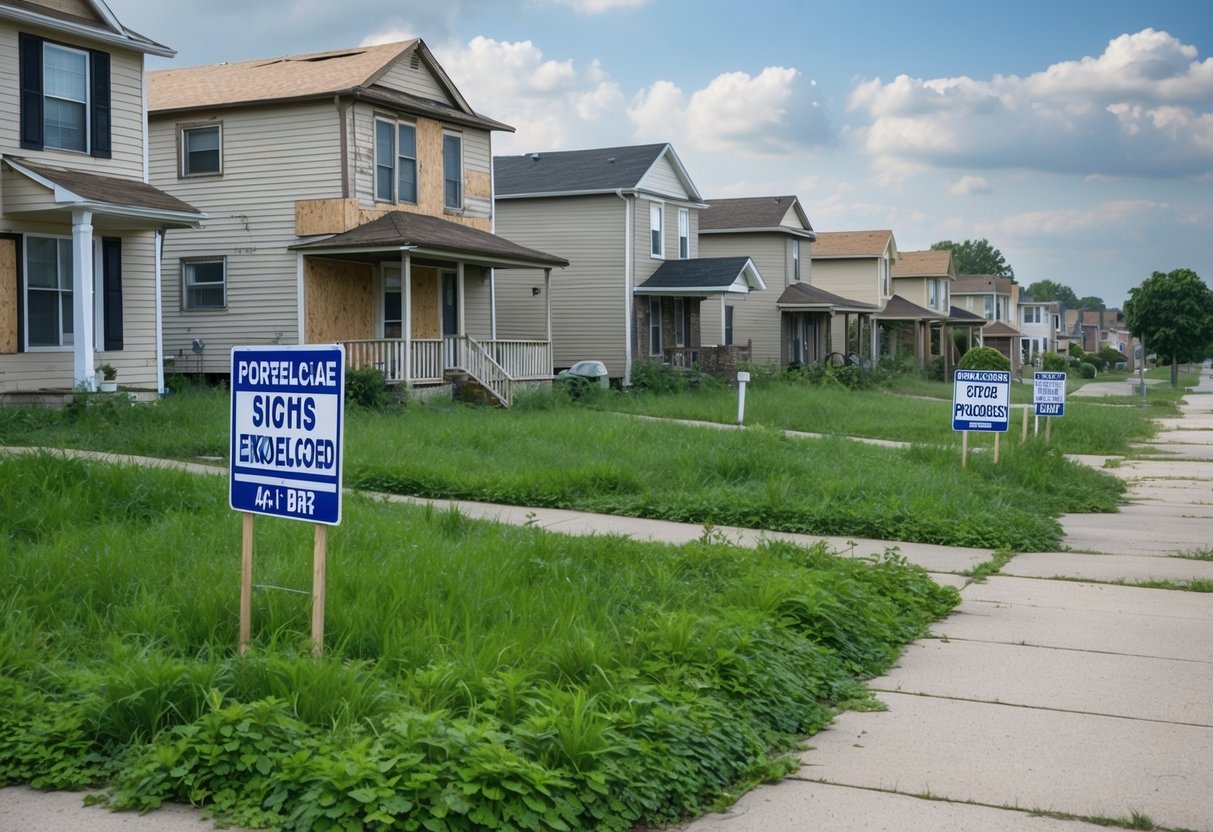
x=1075 y=135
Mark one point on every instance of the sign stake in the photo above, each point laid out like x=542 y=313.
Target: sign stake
x=246 y=582
x=964 y=449
x=1023 y=436
x=997 y=445
x=1048 y=428
x=319 y=557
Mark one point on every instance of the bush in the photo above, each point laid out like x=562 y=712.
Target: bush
x=984 y=358
x=1052 y=362
x=1087 y=370
x=934 y=369
x=367 y=388
x=1109 y=358
x=656 y=377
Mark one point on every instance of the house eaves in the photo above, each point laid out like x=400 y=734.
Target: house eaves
x=802 y=233
x=115 y=35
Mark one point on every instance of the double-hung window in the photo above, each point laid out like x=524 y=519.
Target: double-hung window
x=933 y=293
x=684 y=234
x=48 y=292
x=656 y=230
x=65 y=97
x=201 y=150
x=796 y=259
x=654 y=326
x=204 y=283
x=395 y=161
x=452 y=171
x=728 y=326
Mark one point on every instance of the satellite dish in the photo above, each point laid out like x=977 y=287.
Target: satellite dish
x=198 y=346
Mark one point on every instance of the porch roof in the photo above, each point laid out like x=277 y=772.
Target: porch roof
x=963 y=316
x=53 y=192
x=803 y=297
x=704 y=276
x=900 y=309
x=387 y=237
x=998 y=329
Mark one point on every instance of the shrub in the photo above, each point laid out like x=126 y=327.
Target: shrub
x=367 y=388
x=1052 y=362
x=656 y=377
x=1109 y=357
x=984 y=358
x=934 y=370
x=1087 y=370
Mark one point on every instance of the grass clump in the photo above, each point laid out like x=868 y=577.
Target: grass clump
x=484 y=676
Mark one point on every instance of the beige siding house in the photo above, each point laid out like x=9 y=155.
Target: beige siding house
x=917 y=319
x=996 y=299
x=79 y=225
x=627 y=219
x=856 y=265
x=352 y=200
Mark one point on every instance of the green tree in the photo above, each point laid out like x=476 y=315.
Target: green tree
x=1173 y=315
x=1046 y=290
x=976 y=257
x=1093 y=303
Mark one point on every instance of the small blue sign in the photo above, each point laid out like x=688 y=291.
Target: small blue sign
x=286 y=431
x=1049 y=394
x=981 y=400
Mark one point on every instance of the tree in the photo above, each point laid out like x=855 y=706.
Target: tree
x=976 y=257
x=1047 y=290
x=1092 y=303
x=1173 y=315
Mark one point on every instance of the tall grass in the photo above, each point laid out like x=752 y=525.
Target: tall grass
x=592 y=682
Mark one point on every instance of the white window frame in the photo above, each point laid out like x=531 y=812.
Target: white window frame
x=183 y=134
x=684 y=234
x=796 y=259
x=654 y=326
x=86 y=124
x=933 y=293
x=457 y=204
x=657 y=230
x=187 y=264
x=65 y=344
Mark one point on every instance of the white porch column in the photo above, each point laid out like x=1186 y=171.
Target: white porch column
x=547 y=314
x=493 y=304
x=406 y=314
x=158 y=256
x=83 y=372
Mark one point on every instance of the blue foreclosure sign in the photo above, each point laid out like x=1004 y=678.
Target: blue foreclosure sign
x=287 y=425
x=1049 y=394
x=981 y=400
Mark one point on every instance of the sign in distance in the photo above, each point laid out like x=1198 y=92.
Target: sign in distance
x=1049 y=393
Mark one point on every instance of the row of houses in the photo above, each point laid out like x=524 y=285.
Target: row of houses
x=160 y=218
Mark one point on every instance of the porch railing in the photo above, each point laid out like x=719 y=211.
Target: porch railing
x=467 y=354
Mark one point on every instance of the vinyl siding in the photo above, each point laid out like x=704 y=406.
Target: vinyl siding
x=589 y=307
x=663 y=179
x=477 y=311
x=419 y=81
x=136 y=361
x=857 y=279
x=126 y=108
x=913 y=289
x=272 y=156
x=755 y=315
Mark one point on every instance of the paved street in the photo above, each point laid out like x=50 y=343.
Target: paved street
x=1052 y=688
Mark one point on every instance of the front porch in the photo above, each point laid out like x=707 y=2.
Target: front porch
x=424 y=361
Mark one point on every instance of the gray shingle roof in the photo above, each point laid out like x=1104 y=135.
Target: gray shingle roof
x=599 y=169
x=802 y=294
x=751 y=212
x=398 y=229
x=108 y=190
x=710 y=273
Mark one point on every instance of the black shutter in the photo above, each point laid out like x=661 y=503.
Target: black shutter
x=99 y=120
x=111 y=279
x=30 y=48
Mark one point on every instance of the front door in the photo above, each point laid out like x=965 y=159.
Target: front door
x=450 y=304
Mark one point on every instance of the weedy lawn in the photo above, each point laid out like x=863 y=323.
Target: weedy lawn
x=478 y=677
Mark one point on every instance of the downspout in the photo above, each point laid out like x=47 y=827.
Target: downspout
x=493 y=229
x=629 y=276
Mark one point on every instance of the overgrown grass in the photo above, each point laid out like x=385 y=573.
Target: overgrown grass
x=478 y=677
x=561 y=455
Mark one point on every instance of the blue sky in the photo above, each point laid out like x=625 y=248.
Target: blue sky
x=1075 y=135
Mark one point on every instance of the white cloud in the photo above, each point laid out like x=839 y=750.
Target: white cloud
x=772 y=113
x=1142 y=108
x=1122 y=214
x=600 y=6
x=970 y=185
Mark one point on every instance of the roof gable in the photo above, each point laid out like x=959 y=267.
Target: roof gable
x=923 y=264
x=854 y=244
x=756 y=213
x=704 y=275
x=83 y=18
x=597 y=170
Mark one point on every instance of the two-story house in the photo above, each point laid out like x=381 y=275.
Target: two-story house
x=996 y=299
x=352 y=200
x=627 y=219
x=791 y=322
x=1039 y=324
x=917 y=318
x=856 y=265
x=80 y=228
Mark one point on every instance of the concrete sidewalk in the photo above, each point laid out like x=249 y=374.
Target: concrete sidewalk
x=1050 y=690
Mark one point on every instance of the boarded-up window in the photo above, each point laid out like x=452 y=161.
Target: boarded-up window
x=10 y=296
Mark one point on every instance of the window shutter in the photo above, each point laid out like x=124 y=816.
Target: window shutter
x=111 y=278
x=99 y=95
x=31 y=91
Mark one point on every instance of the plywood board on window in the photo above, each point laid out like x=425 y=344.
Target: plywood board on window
x=326 y=216
x=339 y=301
x=425 y=318
x=8 y=296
